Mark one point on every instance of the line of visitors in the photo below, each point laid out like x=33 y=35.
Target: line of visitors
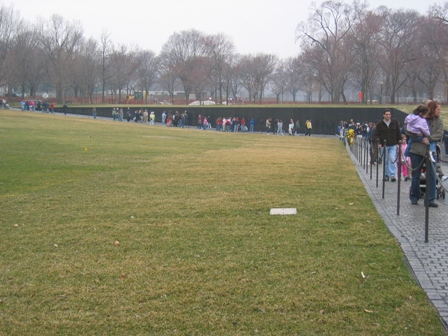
x=276 y=127
x=417 y=138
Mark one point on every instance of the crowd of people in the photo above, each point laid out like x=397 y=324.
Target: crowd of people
x=143 y=116
x=230 y=124
x=224 y=124
x=276 y=127
x=37 y=105
x=408 y=144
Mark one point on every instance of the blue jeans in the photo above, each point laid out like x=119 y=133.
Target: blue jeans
x=415 y=193
x=391 y=155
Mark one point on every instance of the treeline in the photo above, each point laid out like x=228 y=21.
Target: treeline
x=348 y=52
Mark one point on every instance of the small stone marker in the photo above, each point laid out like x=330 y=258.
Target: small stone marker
x=283 y=211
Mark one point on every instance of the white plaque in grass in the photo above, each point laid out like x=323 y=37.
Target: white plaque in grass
x=283 y=211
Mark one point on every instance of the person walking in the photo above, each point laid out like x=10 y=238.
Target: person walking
x=374 y=158
x=389 y=135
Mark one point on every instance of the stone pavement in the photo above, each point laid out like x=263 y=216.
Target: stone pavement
x=427 y=261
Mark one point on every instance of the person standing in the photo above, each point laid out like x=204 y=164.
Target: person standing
x=297 y=129
x=418 y=152
x=405 y=161
x=280 y=127
x=251 y=125
x=389 y=134
x=152 y=118
x=94 y=112
x=291 y=127
x=243 y=125
x=268 y=125
x=309 y=127
x=236 y=124
x=163 y=117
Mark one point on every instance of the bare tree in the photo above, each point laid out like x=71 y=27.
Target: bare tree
x=232 y=77
x=365 y=38
x=147 y=70
x=293 y=72
x=60 y=40
x=247 y=76
x=432 y=37
x=328 y=28
x=167 y=77
x=106 y=47
x=181 y=52
x=123 y=67
x=255 y=72
x=265 y=66
x=9 y=22
x=88 y=68
x=398 y=47
x=279 y=81
x=220 y=48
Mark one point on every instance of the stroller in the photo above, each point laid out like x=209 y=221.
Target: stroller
x=440 y=189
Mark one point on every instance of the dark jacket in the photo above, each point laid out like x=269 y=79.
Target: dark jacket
x=391 y=133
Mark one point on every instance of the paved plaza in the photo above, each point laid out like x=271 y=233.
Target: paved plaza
x=427 y=260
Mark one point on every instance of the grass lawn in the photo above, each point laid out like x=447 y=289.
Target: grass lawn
x=124 y=229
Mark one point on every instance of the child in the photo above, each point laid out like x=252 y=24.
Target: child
x=416 y=123
x=404 y=160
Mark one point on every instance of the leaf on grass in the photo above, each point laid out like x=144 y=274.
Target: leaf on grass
x=116 y=243
x=368 y=311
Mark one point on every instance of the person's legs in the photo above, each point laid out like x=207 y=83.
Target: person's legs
x=416 y=164
x=391 y=169
x=404 y=170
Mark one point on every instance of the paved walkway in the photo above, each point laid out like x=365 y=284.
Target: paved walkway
x=428 y=261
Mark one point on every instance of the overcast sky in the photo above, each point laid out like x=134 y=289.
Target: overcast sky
x=266 y=26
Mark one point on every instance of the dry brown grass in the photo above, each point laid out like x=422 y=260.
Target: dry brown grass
x=198 y=251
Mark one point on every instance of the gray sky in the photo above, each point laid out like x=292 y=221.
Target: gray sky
x=266 y=26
